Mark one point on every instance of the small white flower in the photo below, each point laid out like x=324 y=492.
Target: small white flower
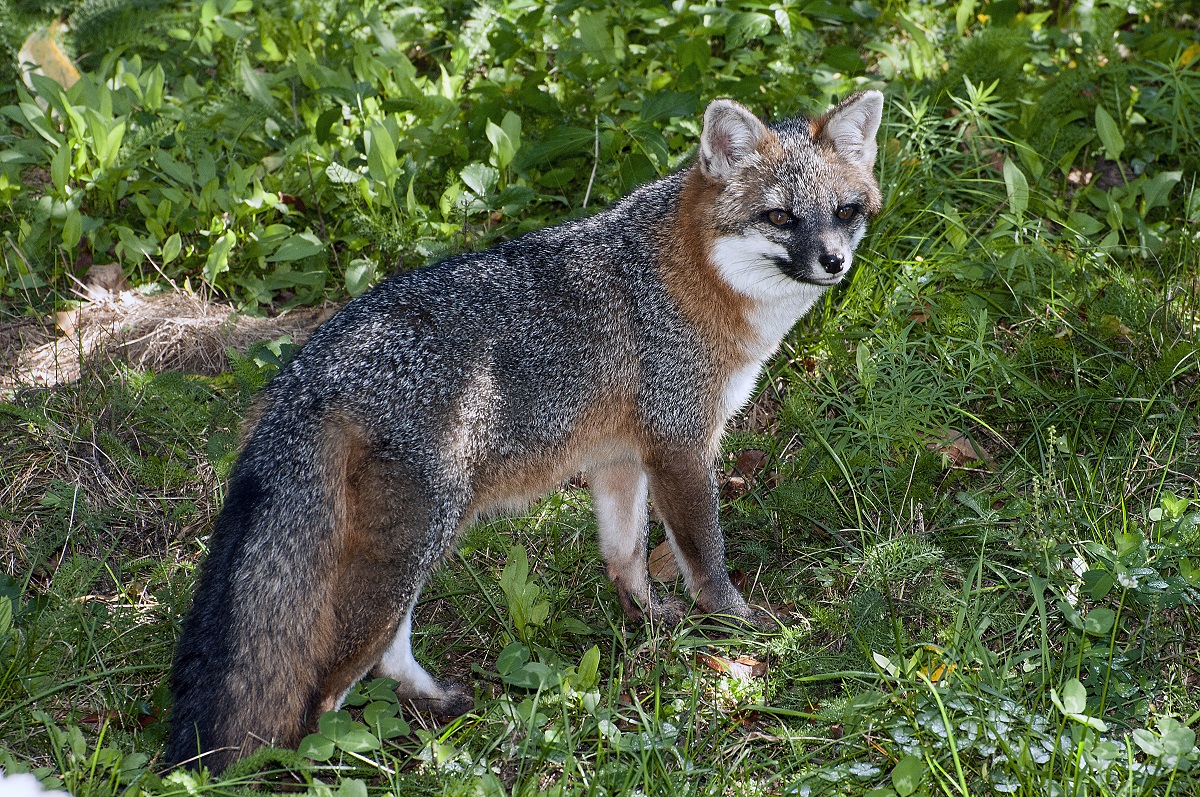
x=1127 y=581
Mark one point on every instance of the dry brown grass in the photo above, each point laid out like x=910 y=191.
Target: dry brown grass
x=172 y=331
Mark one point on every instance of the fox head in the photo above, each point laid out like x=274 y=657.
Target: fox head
x=791 y=199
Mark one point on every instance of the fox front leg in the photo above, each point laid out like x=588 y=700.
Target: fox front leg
x=684 y=490
x=619 y=494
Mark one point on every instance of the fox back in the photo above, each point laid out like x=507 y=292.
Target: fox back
x=618 y=345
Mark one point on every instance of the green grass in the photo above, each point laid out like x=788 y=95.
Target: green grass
x=1022 y=623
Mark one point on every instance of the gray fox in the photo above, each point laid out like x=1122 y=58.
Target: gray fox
x=618 y=345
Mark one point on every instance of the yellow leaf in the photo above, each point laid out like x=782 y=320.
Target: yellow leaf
x=1190 y=54
x=41 y=51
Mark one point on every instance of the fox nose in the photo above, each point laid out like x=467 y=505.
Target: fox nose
x=832 y=263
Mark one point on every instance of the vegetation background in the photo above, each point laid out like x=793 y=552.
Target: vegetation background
x=969 y=484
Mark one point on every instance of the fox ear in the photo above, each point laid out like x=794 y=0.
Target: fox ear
x=731 y=134
x=851 y=125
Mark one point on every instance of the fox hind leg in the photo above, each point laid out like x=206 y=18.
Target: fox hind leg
x=619 y=498
x=415 y=684
x=394 y=531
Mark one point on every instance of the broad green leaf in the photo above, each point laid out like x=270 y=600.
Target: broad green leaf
x=352 y=787
x=558 y=143
x=171 y=248
x=516 y=569
x=337 y=173
x=218 y=257
x=1099 y=621
x=512 y=658
x=587 y=675
x=479 y=178
x=962 y=18
x=1174 y=505
x=669 y=105
x=391 y=727
x=358 y=740
x=1110 y=135
x=1149 y=743
x=907 y=774
x=1017 y=186
x=1074 y=697
x=60 y=167
x=1083 y=224
x=179 y=172
x=373 y=712
x=152 y=95
x=503 y=147
x=863 y=703
x=72 y=228
x=346 y=733
x=6 y=615
x=595 y=37
x=1177 y=738
x=381 y=690
x=381 y=154
x=297 y=247
x=1097 y=584
x=511 y=124
x=113 y=143
x=533 y=675
x=746 y=26
x=316 y=746
x=1158 y=188
x=254 y=84
x=360 y=273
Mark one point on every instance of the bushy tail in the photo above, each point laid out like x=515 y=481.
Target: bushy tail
x=249 y=659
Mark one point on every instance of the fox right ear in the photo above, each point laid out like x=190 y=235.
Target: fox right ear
x=731 y=134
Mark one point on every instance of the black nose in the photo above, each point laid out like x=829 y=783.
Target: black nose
x=831 y=263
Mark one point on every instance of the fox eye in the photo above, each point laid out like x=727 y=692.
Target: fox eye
x=846 y=212
x=780 y=218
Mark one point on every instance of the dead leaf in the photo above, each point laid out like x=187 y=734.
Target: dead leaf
x=662 y=563
x=743 y=668
x=42 y=52
x=750 y=461
x=293 y=202
x=739 y=578
x=734 y=487
x=960 y=449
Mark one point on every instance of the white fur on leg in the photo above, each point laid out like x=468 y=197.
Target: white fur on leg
x=399 y=665
x=619 y=498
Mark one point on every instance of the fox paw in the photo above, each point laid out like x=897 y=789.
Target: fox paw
x=745 y=619
x=456 y=699
x=667 y=611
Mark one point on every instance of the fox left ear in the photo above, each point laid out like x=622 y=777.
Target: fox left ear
x=851 y=125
